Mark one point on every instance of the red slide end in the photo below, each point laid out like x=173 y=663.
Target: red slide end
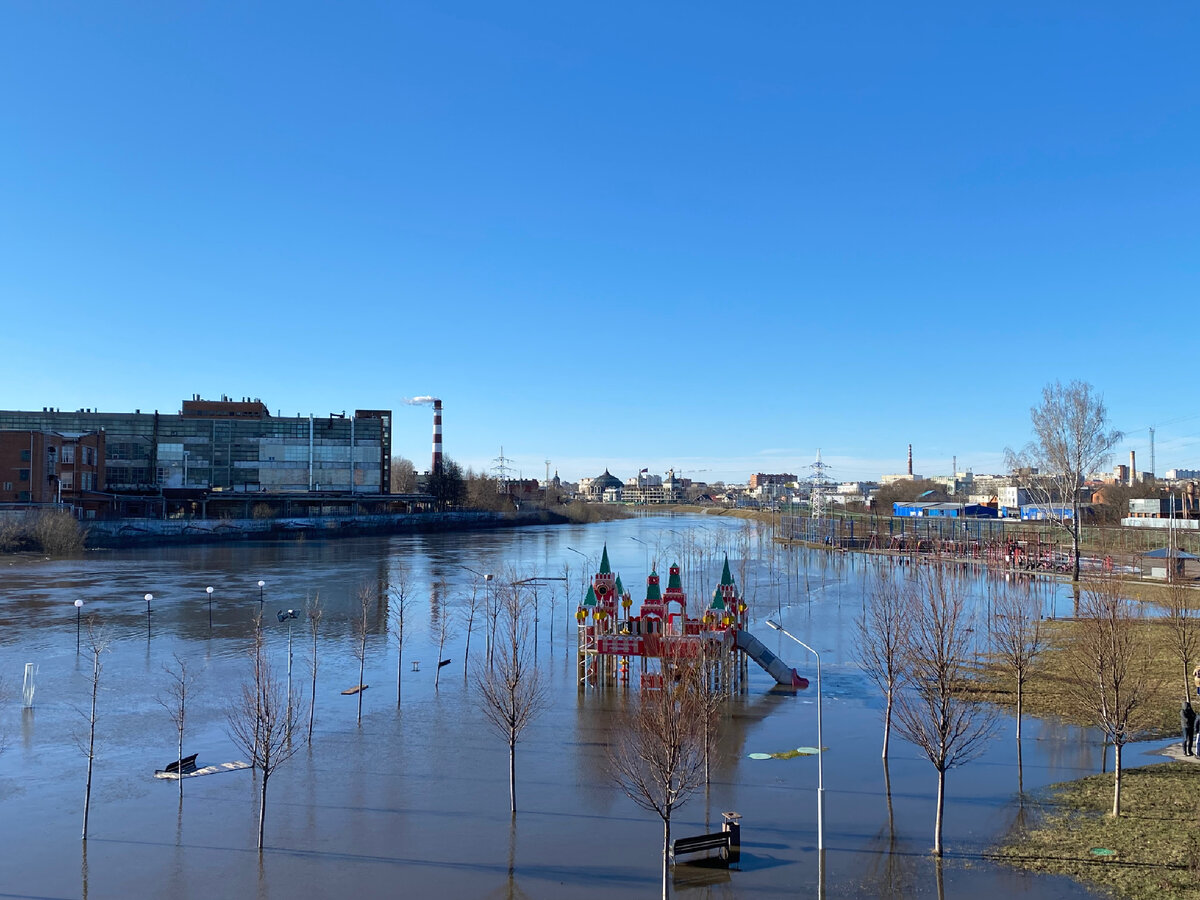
x=798 y=681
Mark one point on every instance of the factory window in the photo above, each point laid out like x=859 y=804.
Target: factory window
x=23 y=496
x=88 y=481
x=8 y=485
x=89 y=456
x=68 y=453
x=67 y=480
x=23 y=475
x=24 y=456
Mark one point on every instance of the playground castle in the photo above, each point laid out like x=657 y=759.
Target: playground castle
x=612 y=641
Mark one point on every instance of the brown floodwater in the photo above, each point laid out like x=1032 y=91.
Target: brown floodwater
x=415 y=801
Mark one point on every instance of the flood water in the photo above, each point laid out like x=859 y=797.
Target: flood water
x=415 y=801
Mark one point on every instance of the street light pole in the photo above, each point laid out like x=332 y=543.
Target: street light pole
x=261 y=583
x=78 y=613
x=208 y=590
x=289 y=615
x=820 y=744
x=148 y=598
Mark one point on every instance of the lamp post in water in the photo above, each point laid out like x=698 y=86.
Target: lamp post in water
x=208 y=590
x=261 y=584
x=820 y=746
x=78 y=614
x=287 y=617
x=148 y=598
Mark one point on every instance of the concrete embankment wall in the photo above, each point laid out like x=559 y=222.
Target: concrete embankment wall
x=138 y=532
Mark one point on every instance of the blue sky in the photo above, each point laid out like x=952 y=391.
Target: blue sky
x=632 y=235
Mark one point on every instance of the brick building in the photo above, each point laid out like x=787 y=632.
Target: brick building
x=41 y=468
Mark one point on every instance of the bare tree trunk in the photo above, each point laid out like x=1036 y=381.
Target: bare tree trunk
x=362 y=662
x=1116 y=809
x=262 y=810
x=1019 y=692
x=666 y=856
x=179 y=765
x=941 y=805
x=87 y=793
x=512 y=772
x=887 y=724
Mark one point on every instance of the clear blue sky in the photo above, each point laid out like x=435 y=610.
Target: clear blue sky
x=637 y=235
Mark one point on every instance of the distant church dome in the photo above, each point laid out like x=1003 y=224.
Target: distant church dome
x=606 y=481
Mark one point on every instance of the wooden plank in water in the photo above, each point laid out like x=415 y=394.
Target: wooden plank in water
x=356 y=689
x=207 y=770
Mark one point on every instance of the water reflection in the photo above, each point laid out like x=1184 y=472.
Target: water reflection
x=420 y=800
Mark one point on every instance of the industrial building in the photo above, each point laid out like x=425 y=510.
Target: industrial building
x=211 y=447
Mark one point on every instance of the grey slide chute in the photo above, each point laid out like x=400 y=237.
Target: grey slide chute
x=772 y=664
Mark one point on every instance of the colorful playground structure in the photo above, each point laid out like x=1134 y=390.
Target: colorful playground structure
x=610 y=641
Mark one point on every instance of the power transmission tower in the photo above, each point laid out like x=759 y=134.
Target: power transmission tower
x=818 y=489
x=503 y=470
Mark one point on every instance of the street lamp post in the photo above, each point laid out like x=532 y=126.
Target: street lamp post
x=208 y=590
x=287 y=617
x=148 y=598
x=261 y=584
x=820 y=745
x=78 y=614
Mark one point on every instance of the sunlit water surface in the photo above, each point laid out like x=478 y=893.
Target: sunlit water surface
x=415 y=801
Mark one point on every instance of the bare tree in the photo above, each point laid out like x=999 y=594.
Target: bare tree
x=882 y=631
x=261 y=724
x=361 y=628
x=98 y=642
x=934 y=713
x=657 y=757
x=445 y=627
x=404 y=476
x=470 y=613
x=1183 y=632
x=397 y=610
x=1112 y=660
x=1017 y=638
x=1071 y=440
x=315 y=612
x=512 y=690
x=180 y=684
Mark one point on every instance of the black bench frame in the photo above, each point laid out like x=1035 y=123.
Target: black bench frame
x=718 y=839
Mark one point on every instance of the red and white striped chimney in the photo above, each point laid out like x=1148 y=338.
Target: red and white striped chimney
x=910 y=460
x=437 y=438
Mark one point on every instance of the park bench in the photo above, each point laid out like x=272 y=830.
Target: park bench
x=181 y=766
x=728 y=840
x=716 y=840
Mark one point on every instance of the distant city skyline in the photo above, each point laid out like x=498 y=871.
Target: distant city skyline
x=678 y=236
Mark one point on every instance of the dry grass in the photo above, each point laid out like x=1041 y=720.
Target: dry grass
x=1047 y=693
x=1156 y=853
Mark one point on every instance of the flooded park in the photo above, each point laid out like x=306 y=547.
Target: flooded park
x=414 y=801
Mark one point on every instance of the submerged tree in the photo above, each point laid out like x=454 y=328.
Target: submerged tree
x=657 y=757
x=397 y=611
x=361 y=628
x=1071 y=440
x=934 y=713
x=882 y=633
x=261 y=723
x=1113 y=662
x=1017 y=638
x=315 y=612
x=512 y=690
x=98 y=642
x=180 y=685
x=444 y=625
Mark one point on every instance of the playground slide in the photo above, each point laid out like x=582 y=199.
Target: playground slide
x=774 y=666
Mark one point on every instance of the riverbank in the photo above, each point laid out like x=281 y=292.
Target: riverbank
x=154 y=532
x=1149 y=853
